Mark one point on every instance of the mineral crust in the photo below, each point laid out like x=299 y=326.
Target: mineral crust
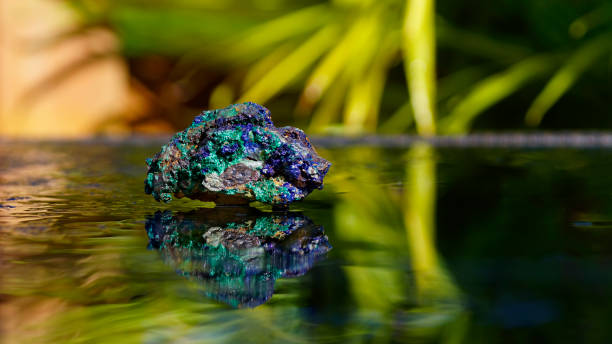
x=236 y=155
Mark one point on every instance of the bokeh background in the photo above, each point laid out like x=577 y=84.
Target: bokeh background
x=103 y=67
x=430 y=244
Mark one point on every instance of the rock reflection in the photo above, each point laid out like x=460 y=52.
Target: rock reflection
x=237 y=254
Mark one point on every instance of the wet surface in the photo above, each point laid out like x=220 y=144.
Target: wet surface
x=402 y=245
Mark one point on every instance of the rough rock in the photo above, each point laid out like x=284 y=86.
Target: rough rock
x=236 y=155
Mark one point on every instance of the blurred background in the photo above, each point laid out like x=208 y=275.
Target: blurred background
x=103 y=67
x=430 y=244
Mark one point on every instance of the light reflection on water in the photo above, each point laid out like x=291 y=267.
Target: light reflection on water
x=428 y=246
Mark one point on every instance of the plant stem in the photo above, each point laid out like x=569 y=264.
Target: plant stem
x=420 y=62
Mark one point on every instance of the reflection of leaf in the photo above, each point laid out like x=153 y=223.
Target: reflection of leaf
x=493 y=89
x=367 y=213
x=419 y=211
x=565 y=77
x=435 y=288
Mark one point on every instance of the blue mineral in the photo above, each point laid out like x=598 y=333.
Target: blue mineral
x=236 y=155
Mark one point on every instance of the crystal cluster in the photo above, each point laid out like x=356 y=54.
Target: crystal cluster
x=236 y=155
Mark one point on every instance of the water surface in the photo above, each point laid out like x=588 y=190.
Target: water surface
x=416 y=245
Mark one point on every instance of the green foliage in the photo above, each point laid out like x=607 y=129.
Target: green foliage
x=340 y=56
x=419 y=62
x=491 y=90
x=584 y=57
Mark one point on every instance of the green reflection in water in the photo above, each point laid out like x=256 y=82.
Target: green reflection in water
x=75 y=269
x=437 y=297
x=387 y=229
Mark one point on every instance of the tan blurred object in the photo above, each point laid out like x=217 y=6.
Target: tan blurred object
x=24 y=318
x=68 y=88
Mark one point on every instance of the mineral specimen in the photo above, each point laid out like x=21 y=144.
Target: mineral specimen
x=237 y=257
x=236 y=155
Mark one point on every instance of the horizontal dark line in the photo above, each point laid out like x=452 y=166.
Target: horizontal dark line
x=493 y=140
x=482 y=140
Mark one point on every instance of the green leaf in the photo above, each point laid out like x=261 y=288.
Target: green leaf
x=493 y=89
x=399 y=121
x=478 y=44
x=365 y=93
x=420 y=62
x=336 y=60
x=329 y=107
x=566 y=76
x=259 y=39
x=293 y=65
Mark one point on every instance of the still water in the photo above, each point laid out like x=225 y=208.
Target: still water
x=415 y=245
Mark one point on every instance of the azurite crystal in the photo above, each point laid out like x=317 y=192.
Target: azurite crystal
x=236 y=155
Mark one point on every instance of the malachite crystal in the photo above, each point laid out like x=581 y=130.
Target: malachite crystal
x=236 y=155
x=236 y=256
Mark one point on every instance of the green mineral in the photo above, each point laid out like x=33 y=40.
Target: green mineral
x=236 y=155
